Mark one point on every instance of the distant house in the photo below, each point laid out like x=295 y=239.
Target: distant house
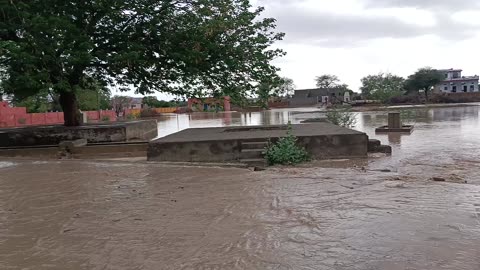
x=136 y=103
x=307 y=97
x=454 y=82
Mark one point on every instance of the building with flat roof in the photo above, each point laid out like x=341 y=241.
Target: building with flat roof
x=316 y=96
x=454 y=82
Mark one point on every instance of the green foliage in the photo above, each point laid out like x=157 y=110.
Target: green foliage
x=424 y=79
x=285 y=88
x=383 y=87
x=184 y=47
x=286 y=151
x=264 y=92
x=273 y=88
x=105 y=118
x=238 y=96
x=342 y=116
x=94 y=99
x=153 y=102
x=88 y=100
x=38 y=103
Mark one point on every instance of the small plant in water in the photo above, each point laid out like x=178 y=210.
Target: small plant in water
x=286 y=151
x=342 y=116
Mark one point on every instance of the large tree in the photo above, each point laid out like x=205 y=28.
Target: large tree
x=285 y=88
x=327 y=81
x=382 y=86
x=183 y=47
x=424 y=79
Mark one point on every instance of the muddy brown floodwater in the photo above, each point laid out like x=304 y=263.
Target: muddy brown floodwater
x=380 y=213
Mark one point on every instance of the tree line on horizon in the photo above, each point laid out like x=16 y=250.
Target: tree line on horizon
x=384 y=87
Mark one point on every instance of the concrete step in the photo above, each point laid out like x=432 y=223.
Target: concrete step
x=255 y=162
x=254 y=145
x=252 y=153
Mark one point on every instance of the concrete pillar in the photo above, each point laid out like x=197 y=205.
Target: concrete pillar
x=394 y=120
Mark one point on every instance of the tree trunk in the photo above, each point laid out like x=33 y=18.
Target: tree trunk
x=426 y=95
x=71 y=114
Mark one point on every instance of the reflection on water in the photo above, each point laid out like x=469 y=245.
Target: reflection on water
x=441 y=135
x=172 y=123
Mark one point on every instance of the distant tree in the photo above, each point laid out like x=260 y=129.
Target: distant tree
x=285 y=88
x=238 y=95
x=88 y=100
x=424 y=79
x=382 y=86
x=268 y=89
x=120 y=103
x=94 y=99
x=39 y=103
x=153 y=102
x=327 y=81
x=264 y=92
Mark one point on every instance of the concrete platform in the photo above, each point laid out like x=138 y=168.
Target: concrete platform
x=225 y=144
x=90 y=151
x=403 y=129
x=104 y=133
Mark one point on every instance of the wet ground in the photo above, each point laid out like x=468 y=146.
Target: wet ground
x=381 y=213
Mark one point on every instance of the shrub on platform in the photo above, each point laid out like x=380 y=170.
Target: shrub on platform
x=342 y=116
x=286 y=151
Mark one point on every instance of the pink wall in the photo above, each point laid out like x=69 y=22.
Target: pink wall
x=18 y=116
x=100 y=115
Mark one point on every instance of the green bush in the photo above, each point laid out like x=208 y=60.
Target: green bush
x=105 y=118
x=286 y=151
x=342 y=116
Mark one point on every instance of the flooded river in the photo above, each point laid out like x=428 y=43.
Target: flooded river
x=383 y=213
x=445 y=140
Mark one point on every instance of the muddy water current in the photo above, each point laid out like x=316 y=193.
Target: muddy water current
x=380 y=213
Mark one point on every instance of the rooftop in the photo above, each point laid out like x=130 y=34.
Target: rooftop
x=464 y=78
x=450 y=70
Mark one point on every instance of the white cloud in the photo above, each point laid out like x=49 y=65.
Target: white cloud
x=355 y=38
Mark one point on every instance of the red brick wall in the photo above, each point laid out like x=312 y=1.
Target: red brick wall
x=18 y=116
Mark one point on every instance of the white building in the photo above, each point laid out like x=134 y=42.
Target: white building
x=456 y=83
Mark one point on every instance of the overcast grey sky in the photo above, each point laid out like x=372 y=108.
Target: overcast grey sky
x=355 y=38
